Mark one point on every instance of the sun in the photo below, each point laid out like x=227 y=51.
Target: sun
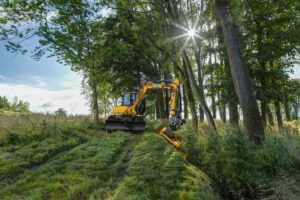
x=191 y=32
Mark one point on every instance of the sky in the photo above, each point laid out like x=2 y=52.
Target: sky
x=45 y=84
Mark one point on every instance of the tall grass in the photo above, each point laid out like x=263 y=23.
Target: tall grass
x=240 y=172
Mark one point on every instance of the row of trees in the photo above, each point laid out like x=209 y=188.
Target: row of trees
x=15 y=105
x=241 y=54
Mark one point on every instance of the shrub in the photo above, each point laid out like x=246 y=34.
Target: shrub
x=275 y=157
x=240 y=172
x=61 y=113
x=4 y=102
x=234 y=166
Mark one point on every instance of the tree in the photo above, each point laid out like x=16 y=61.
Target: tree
x=19 y=105
x=4 y=102
x=60 y=112
x=240 y=75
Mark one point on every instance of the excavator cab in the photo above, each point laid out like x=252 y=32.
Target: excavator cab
x=128 y=98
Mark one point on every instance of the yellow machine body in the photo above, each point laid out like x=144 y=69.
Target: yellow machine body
x=121 y=110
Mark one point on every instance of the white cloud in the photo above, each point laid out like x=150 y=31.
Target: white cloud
x=42 y=100
x=51 y=15
x=40 y=82
x=105 y=12
x=2 y=77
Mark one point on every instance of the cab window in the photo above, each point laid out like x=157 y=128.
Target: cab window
x=126 y=100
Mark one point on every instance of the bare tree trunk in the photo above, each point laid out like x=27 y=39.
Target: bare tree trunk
x=213 y=102
x=186 y=112
x=201 y=114
x=167 y=104
x=166 y=77
x=279 y=117
x=199 y=93
x=162 y=105
x=270 y=115
x=233 y=113
x=222 y=107
x=263 y=106
x=213 y=107
x=287 y=111
x=157 y=108
x=241 y=76
x=197 y=54
x=263 y=82
x=95 y=104
x=190 y=97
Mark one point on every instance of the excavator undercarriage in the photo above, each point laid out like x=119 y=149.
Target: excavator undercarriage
x=127 y=123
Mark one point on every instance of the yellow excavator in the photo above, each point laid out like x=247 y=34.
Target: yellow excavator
x=130 y=115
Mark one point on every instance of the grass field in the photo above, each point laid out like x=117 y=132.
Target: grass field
x=49 y=157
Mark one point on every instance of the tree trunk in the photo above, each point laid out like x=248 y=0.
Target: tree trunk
x=190 y=98
x=162 y=105
x=167 y=112
x=233 y=113
x=199 y=93
x=213 y=102
x=270 y=115
x=287 y=111
x=241 y=76
x=279 y=117
x=95 y=104
x=222 y=108
x=213 y=107
x=263 y=82
x=186 y=113
x=201 y=113
x=197 y=54
x=263 y=106
x=157 y=111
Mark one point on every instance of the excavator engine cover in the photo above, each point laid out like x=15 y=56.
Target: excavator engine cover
x=126 y=123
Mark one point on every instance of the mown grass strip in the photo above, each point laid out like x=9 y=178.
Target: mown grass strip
x=14 y=160
x=75 y=175
x=157 y=171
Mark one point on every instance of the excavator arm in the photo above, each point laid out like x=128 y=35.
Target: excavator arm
x=176 y=121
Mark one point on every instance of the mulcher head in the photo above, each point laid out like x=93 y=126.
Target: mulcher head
x=169 y=136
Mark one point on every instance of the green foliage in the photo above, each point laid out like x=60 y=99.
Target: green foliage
x=16 y=105
x=61 y=113
x=4 y=102
x=19 y=105
x=276 y=157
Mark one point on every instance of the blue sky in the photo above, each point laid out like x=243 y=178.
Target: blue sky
x=45 y=84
